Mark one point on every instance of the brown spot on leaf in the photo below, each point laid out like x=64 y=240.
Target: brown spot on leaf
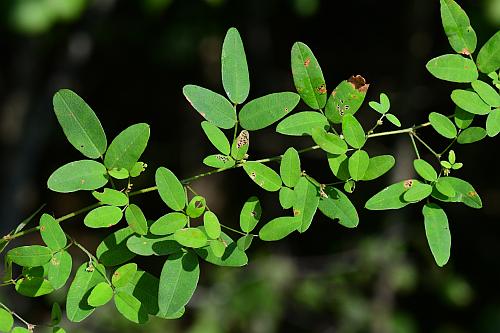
x=359 y=83
x=322 y=89
x=296 y=212
x=465 y=51
x=42 y=228
x=253 y=175
x=243 y=139
x=82 y=181
x=307 y=62
x=408 y=183
x=472 y=194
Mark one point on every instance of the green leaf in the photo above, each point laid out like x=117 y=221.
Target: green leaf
x=30 y=256
x=470 y=102
x=101 y=294
x=453 y=68
x=353 y=132
x=378 y=166
x=232 y=257
x=59 y=269
x=336 y=205
x=471 y=135
x=130 y=307
x=219 y=161
x=218 y=247
x=25 y=330
x=33 y=287
x=127 y=147
x=235 y=78
x=464 y=192
x=264 y=111
x=383 y=106
x=244 y=242
x=103 y=217
x=211 y=224
x=55 y=314
x=178 y=281
x=290 y=167
x=170 y=189
x=263 y=176
x=52 y=233
x=493 y=123
x=111 y=197
x=86 y=278
x=286 y=197
x=306 y=203
x=346 y=99
x=393 y=119
x=358 y=164
x=425 y=170
x=137 y=169
x=144 y=287
x=487 y=93
x=78 y=175
x=302 y=123
x=124 y=274
x=250 y=214
x=79 y=123
x=463 y=119
x=279 y=228
x=119 y=173
x=488 y=59
x=196 y=206
x=391 y=197
x=169 y=223
x=213 y=107
x=329 y=142
x=153 y=245
x=443 y=125
x=457 y=27
x=240 y=146
x=113 y=251
x=6 y=320
x=307 y=76
x=216 y=137
x=191 y=237
x=437 y=232
x=339 y=166
x=444 y=187
x=136 y=219
x=417 y=192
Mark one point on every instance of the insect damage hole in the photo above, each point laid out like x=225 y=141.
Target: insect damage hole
x=307 y=62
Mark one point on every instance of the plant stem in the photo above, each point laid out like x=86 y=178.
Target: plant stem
x=414 y=145
x=30 y=326
x=438 y=156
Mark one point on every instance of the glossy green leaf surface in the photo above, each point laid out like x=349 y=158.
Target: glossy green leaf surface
x=487 y=93
x=391 y=197
x=101 y=294
x=178 y=281
x=213 y=107
x=471 y=135
x=113 y=249
x=111 y=197
x=191 y=237
x=136 y=219
x=425 y=170
x=307 y=76
x=219 y=161
x=170 y=189
x=216 y=137
x=212 y=225
x=417 y=192
x=346 y=98
x=306 y=203
x=453 y=68
x=378 y=166
x=130 y=307
x=264 y=111
x=464 y=192
x=279 y=228
x=443 y=125
x=79 y=123
x=169 y=223
x=358 y=164
x=153 y=245
x=329 y=142
x=86 y=278
x=59 y=269
x=290 y=167
x=30 y=255
x=393 y=119
x=493 y=123
x=488 y=58
x=123 y=275
x=437 y=232
x=338 y=206
x=302 y=123
x=6 y=320
x=52 y=234
x=232 y=257
x=353 y=132
x=128 y=146
x=470 y=102
x=78 y=175
x=457 y=27
x=235 y=78
x=250 y=214
x=287 y=197
x=263 y=176
x=339 y=165
x=103 y=217
x=33 y=287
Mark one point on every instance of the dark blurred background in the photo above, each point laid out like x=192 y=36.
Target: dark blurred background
x=129 y=61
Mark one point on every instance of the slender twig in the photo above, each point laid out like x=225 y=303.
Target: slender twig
x=414 y=145
x=30 y=326
x=438 y=156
